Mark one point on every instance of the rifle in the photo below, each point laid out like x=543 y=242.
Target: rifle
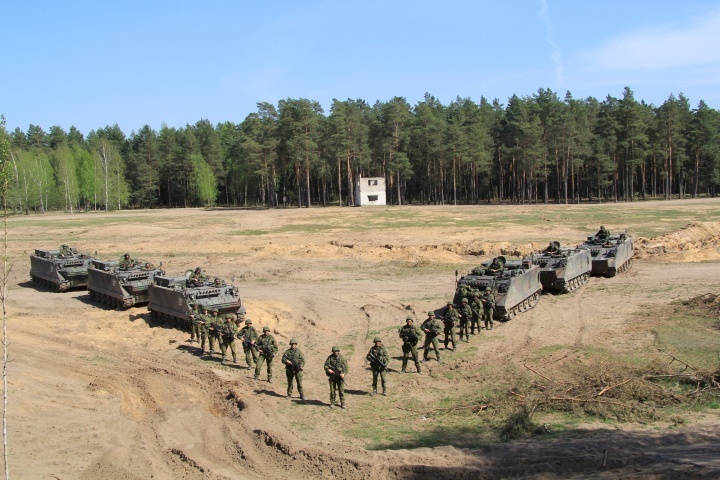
x=294 y=364
x=409 y=337
x=247 y=343
x=334 y=374
x=377 y=361
x=265 y=350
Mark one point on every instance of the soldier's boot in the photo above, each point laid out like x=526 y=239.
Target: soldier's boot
x=374 y=392
x=342 y=405
x=384 y=392
x=270 y=381
x=255 y=377
x=234 y=359
x=289 y=395
x=222 y=361
x=419 y=370
x=302 y=395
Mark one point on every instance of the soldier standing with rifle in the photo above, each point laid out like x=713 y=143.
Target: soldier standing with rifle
x=335 y=368
x=410 y=335
x=451 y=319
x=213 y=327
x=476 y=305
x=488 y=302
x=378 y=358
x=267 y=349
x=194 y=324
x=228 y=330
x=294 y=362
x=248 y=335
x=432 y=328
x=466 y=315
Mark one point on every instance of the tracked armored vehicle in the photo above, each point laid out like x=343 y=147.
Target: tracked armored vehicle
x=120 y=285
x=610 y=255
x=516 y=285
x=563 y=269
x=59 y=269
x=172 y=298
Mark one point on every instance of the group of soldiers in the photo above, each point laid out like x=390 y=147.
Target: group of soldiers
x=208 y=328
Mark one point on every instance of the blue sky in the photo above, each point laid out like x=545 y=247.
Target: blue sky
x=92 y=64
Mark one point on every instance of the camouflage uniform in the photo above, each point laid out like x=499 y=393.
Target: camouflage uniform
x=194 y=324
x=488 y=302
x=291 y=371
x=378 y=370
x=451 y=319
x=213 y=324
x=266 y=341
x=126 y=262
x=432 y=328
x=602 y=234
x=410 y=335
x=65 y=250
x=228 y=330
x=249 y=335
x=476 y=306
x=495 y=267
x=466 y=315
x=339 y=366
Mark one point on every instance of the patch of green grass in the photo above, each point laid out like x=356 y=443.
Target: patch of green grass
x=249 y=233
x=692 y=338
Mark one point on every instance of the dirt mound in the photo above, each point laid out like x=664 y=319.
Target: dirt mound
x=695 y=242
x=706 y=301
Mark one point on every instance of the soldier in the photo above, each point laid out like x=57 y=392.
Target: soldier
x=228 y=330
x=198 y=276
x=194 y=324
x=294 y=363
x=203 y=319
x=602 y=234
x=410 y=335
x=65 y=250
x=432 y=328
x=267 y=349
x=335 y=368
x=476 y=305
x=378 y=358
x=495 y=267
x=451 y=319
x=213 y=325
x=553 y=247
x=249 y=335
x=488 y=302
x=126 y=262
x=466 y=315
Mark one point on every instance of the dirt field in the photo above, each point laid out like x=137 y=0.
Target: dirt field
x=96 y=393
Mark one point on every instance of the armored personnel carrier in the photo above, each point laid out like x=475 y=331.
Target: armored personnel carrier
x=610 y=255
x=59 y=269
x=515 y=282
x=172 y=298
x=120 y=284
x=563 y=269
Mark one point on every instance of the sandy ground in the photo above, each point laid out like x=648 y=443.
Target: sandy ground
x=98 y=393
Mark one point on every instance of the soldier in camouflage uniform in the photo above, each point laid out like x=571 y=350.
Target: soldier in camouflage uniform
x=65 y=250
x=294 y=362
x=378 y=358
x=213 y=324
x=476 y=305
x=488 y=302
x=249 y=336
x=194 y=324
x=335 y=368
x=126 y=262
x=267 y=349
x=432 y=328
x=410 y=335
x=451 y=319
x=495 y=267
x=228 y=330
x=466 y=315
x=202 y=319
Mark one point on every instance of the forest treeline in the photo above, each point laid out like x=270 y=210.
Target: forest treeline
x=536 y=149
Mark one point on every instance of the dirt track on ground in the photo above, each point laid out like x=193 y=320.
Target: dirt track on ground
x=99 y=393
